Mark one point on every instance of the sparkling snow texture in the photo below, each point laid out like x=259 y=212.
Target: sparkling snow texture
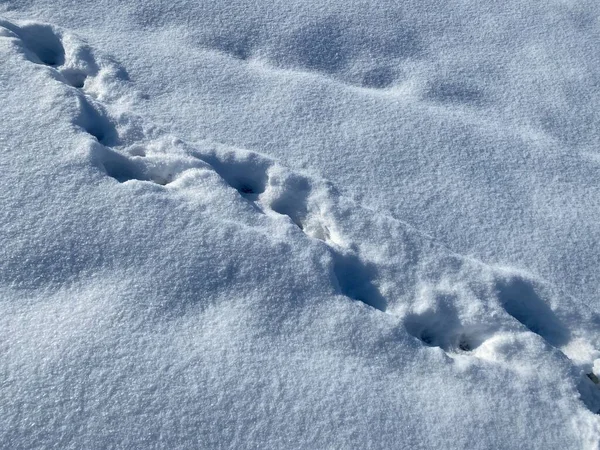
x=299 y=225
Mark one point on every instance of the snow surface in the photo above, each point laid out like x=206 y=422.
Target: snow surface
x=299 y=225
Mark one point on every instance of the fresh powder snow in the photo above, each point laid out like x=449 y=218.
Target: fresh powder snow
x=299 y=225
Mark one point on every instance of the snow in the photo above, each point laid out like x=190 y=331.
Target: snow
x=299 y=225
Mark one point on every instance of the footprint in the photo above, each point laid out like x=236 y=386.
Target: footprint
x=440 y=326
x=42 y=44
x=246 y=172
x=118 y=166
x=589 y=392
x=75 y=78
x=160 y=169
x=519 y=298
x=288 y=196
x=79 y=64
x=355 y=279
x=95 y=121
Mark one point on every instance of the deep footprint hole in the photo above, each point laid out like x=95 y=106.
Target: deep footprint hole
x=43 y=42
x=118 y=166
x=428 y=338
x=441 y=327
x=589 y=392
x=293 y=200
x=248 y=176
x=437 y=337
x=520 y=299
x=95 y=122
x=355 y=279
x=75 y=78
x=247 y=187
x=428 y=335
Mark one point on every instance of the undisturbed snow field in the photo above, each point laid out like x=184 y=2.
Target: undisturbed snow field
x=288 y=224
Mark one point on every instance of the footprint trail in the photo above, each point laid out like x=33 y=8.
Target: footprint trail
x=459 y=305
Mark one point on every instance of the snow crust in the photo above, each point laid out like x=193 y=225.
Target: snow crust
x=299 y=225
